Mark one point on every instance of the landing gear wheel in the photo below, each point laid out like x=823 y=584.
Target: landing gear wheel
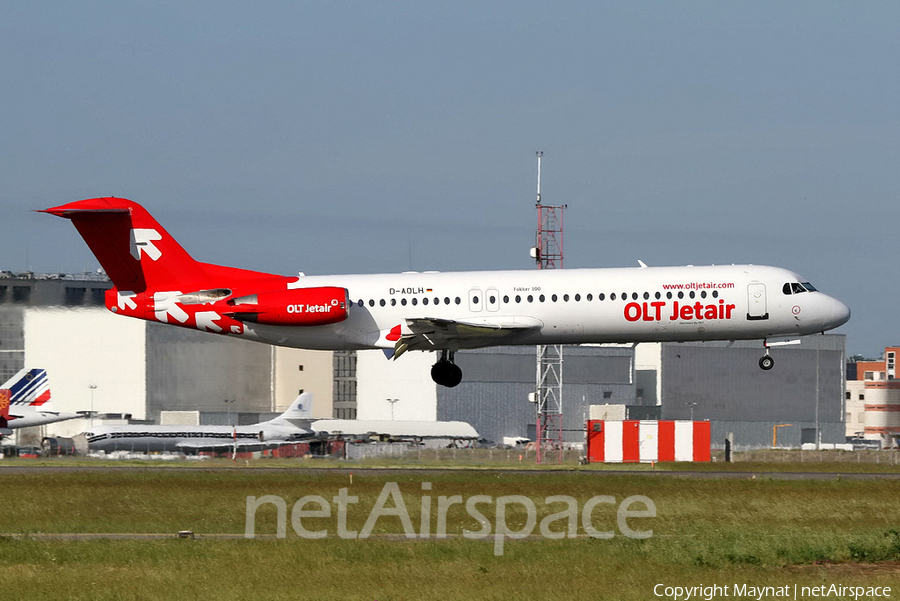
x=439 y=371
x=766 y=363
x=445 y=372
x=454 y=376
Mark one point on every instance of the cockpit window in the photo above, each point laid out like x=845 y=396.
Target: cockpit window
x=797 y=288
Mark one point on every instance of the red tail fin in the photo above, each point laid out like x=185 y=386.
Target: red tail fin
x=156 y=279
x=136 y=252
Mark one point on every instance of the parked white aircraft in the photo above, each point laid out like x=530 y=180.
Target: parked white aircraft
x=157 y=280
x=289 y=427
x=25 y=402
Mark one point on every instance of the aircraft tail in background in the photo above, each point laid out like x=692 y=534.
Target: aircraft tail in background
x=30 y=387
x=25 y=401
x=299 y=411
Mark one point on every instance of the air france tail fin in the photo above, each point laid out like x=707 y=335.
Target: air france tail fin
x=30 y=387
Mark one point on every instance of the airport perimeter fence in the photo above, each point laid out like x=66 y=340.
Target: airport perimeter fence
x=461 y=456
x=412 y=454
x=525 y=457
x=890 y=457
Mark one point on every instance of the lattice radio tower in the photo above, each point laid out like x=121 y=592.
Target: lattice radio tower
x=548 y=253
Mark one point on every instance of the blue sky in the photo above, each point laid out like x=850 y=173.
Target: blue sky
x=362 y=137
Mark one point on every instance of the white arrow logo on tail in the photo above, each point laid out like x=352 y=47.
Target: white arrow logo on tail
x=126 y=300
x=142 y=241
x=205 y=321
x=164 y=305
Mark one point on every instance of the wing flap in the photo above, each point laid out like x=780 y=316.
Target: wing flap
x=433 y=333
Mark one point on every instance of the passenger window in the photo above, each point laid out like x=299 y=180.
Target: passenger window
x=393 y=302
x=371 y=303
x=382 y=302
x=715 y=294
x=425 y=301
x=601 y=297
x=542 y=298
x=566 y=297
x=530 y=298
x=403 y=301
x=669 y=295
x=415 y=302
x=658 y=296
x=458 y=300
x=518 y=298
x=577 y=297
x=590 y=297
x=612 y=296
x=554 y=298
x=681 y=295
x=505 y=299
x=646 y=296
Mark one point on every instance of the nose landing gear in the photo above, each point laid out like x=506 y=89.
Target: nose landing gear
x=445 y=372
x=767 y=362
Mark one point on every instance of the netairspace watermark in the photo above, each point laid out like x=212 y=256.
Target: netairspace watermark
x=318 y=507
x=787 y=591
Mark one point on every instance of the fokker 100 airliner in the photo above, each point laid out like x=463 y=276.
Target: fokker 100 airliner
x=157 y=280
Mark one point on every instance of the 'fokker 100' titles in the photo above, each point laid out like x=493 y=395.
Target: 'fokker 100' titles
x=157 y=280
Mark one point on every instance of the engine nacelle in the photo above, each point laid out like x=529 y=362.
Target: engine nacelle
x=297 y=307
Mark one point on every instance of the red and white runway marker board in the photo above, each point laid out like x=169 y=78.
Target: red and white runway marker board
x=646 y=441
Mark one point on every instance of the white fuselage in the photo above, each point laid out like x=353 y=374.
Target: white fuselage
x=28 y=418
x=573 y=306
x=151 y=438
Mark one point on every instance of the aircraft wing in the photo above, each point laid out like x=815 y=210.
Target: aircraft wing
x=432 y=333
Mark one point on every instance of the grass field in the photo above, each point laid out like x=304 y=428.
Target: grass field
x=757 y=531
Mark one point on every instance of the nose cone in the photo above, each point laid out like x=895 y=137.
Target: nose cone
x=839 y=314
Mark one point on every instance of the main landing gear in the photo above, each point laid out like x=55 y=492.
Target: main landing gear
x=445 y=372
